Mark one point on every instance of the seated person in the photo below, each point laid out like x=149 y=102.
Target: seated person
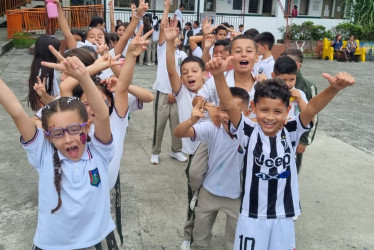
x=338 y=47
x=351 y=48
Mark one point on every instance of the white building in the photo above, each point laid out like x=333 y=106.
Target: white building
x=264 y=15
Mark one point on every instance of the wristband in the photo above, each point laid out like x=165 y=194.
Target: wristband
x=138 y=16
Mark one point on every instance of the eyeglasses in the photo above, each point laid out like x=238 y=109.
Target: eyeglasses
x=72 y=129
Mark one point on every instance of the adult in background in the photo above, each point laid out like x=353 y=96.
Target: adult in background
x=351 y=48
x=338 y=47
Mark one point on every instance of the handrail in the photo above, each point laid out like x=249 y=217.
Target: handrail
x=10 y=4
x=33 y=21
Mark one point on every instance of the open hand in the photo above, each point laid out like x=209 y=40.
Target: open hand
x=209 y=41
x=207 y=27
x=142 y=8
x=171 y=30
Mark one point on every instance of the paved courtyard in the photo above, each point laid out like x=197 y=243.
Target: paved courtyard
x=335 y=182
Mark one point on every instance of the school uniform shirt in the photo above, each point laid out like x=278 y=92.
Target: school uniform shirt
x=162 y=82
x=184 y=101
x=295 y=110
x=197 y=52
x=83 y=219
x=270 y=183
x=195 y=31
x=178 y=15
x=209 y=90
x=134 y=103
x=264 y=66
x=225 y=160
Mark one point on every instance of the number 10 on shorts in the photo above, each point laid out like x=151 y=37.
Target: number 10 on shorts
x=246 y=243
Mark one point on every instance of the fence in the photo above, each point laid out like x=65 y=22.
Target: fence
x=34 y=21
x=10 y=4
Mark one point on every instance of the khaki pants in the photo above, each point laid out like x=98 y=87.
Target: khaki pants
x=164 y=111
x=205 y=215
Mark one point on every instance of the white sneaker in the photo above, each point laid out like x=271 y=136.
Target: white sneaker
x=155 y=160
x=295 y=218
x=193 y=201
x=179 y=156
x=186 y=245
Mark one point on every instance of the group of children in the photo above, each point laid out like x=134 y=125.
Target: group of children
x=244 y=120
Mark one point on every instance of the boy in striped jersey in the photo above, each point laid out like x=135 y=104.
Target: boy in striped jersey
x=270 y=196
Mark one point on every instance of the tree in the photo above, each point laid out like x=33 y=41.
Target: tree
x=360 y=12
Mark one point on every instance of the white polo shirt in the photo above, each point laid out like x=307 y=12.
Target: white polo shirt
x=83 y=219
x=162 y=82
x=225 y=160
x=184 y=101
x=264 y=66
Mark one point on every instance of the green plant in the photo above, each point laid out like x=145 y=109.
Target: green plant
x=306 y=31
x=348 y=29
x=360 y=12
x=22 y=40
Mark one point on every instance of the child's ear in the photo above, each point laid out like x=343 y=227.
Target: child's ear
x=272 y=75
x=86 y=128
x=253 y=107
x=256 y=61
x=298 y=65
x=204 y=75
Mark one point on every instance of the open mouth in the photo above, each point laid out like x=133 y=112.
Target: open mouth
x=72 y=151
x=191 y=82
x=244 y=63
x=269 y=124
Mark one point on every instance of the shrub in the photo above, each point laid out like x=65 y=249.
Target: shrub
x=307 y=31
x=22 y=40
x=348 y=29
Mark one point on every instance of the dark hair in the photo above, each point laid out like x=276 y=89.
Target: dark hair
x=265 y=38
x=117 y=27
x=86 y=54
x=240 y=93
x=336 y=37
x=78 y=33
x=272 y=88
x=188 y=24
x=220 y=27
x=226 y=24
x=78 y=92
x=197 y=23
x=42 y=53
x=241 y=25
x=198 y=60
x=285 y=65
x=223 y=42
x=147 y=26
x=242 y=37
x=181 y=5
x=56 y=106
x=295 y=54
x=251 y=32
x=113 y=37
x=96 y=20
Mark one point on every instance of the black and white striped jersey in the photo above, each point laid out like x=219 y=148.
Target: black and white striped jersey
x=270 y=185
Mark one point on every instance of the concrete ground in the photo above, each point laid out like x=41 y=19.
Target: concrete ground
x=335 y=182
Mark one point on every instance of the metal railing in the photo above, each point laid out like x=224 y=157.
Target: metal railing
x=33 y=21
x=10 y=4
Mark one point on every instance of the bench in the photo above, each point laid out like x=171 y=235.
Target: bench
x=328 y=51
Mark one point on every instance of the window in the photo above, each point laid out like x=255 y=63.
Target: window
x=304 y=5
x=189 y=5
x=237 y=5
x=127 y=3
x=209 y=5
x=253 y=6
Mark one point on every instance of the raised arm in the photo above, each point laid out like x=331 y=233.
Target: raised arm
x=120 y=46
x=194 y=40
x=73 y=67
x=171 y=33
x=164 y=21
x=208 y=43
x=184 y=129
x=64 y=26
x=217 y=66
x=136 y=47
x=320 y=101
x=111 y=14
x=14 y=108
x=144 y=95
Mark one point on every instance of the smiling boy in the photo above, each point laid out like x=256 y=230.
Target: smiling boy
x=270 y=187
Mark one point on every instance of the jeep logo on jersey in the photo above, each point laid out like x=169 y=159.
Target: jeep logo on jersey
x=94 y=177
x=276 y=162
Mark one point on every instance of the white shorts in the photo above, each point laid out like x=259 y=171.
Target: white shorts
x=262 y=234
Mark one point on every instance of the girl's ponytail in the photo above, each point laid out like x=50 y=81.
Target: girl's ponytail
x=57 y=177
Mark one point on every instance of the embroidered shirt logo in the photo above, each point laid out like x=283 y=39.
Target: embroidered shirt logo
x=240 y=149
x=94 y=177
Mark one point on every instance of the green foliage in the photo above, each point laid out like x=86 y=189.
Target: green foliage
x=347 y=30
x=307 y=31
x=22 y=40
x=360 y=12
